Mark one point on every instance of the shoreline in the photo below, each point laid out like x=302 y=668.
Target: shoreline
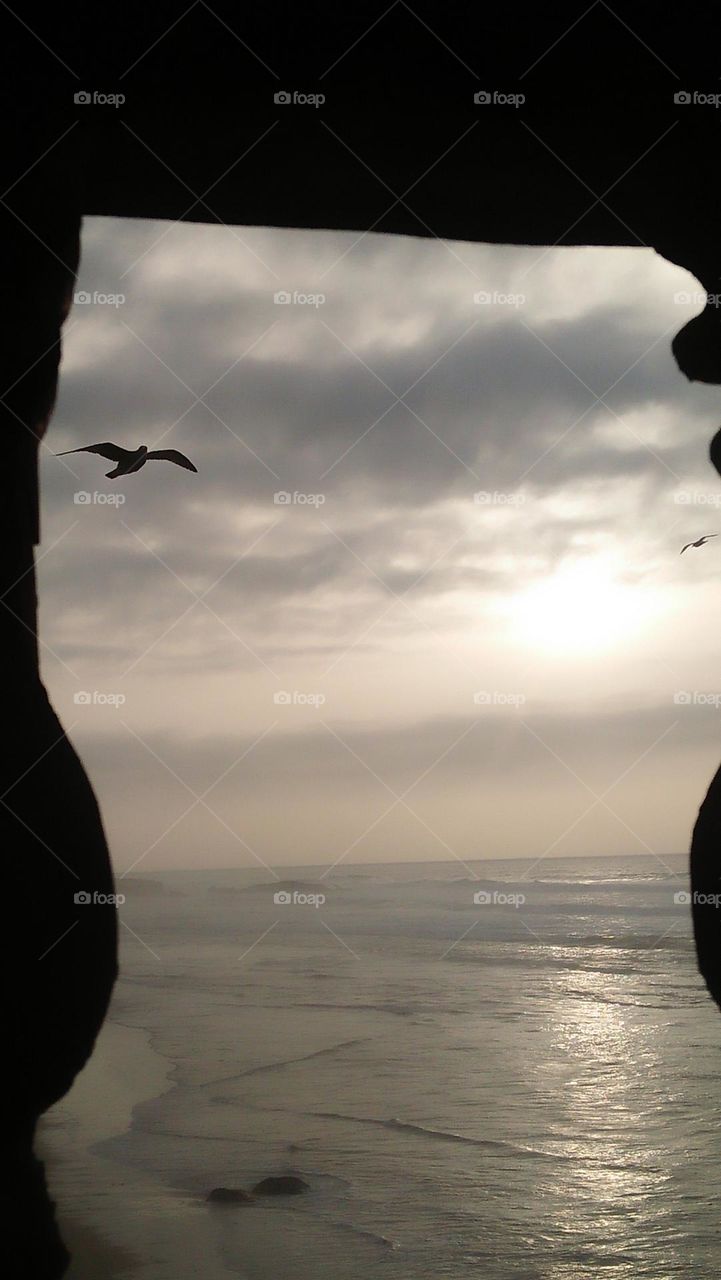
x=123 y=1071
x=119 y=1222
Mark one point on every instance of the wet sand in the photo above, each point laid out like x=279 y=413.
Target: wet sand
x=119 y=1222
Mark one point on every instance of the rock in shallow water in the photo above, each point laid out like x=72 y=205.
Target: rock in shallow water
x=283 y=1185
x=230 y=1195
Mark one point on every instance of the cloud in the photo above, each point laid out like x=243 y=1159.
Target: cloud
x=411 y=527
x=459 y=778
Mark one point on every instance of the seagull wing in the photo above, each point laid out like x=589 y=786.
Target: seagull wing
x=172 y=455
x=688 y=544
x=107 y=450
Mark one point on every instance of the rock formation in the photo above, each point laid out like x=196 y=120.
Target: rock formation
x=281 y=1185
x=230 y=1195
x=412 y=138
x=59 y=959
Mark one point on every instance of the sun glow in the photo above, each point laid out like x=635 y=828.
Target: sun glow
x=584 y=607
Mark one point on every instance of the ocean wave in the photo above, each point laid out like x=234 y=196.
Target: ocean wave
x=266 y=887
x=286 y=1062
x=593 y=883
x=567 y=946
x=400 y=1011
x=368 y=1234
x=488 y=1144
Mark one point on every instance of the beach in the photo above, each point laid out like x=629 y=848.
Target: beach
x=117 y=1222
x=120 y=1223
x=507 y=1074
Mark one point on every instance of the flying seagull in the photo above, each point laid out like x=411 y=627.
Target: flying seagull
x=699 y=542
x=129 y=460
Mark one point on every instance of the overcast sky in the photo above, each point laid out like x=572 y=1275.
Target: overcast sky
x=468 y=633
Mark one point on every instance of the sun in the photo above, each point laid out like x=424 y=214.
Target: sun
x=585 y=607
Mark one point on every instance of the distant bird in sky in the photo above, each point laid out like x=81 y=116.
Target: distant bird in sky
x=130 y=460
x=699 y=542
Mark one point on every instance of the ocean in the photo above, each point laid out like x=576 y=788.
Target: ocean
x=503 y=1069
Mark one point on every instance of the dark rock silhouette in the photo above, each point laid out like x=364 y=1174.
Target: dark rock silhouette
x=706 y=887
x=410 y=139
x=230 y=1195
x=281 y=1185
x=696 y=347
x=59 y=962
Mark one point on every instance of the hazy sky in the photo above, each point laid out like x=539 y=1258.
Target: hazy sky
x=517 y=673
